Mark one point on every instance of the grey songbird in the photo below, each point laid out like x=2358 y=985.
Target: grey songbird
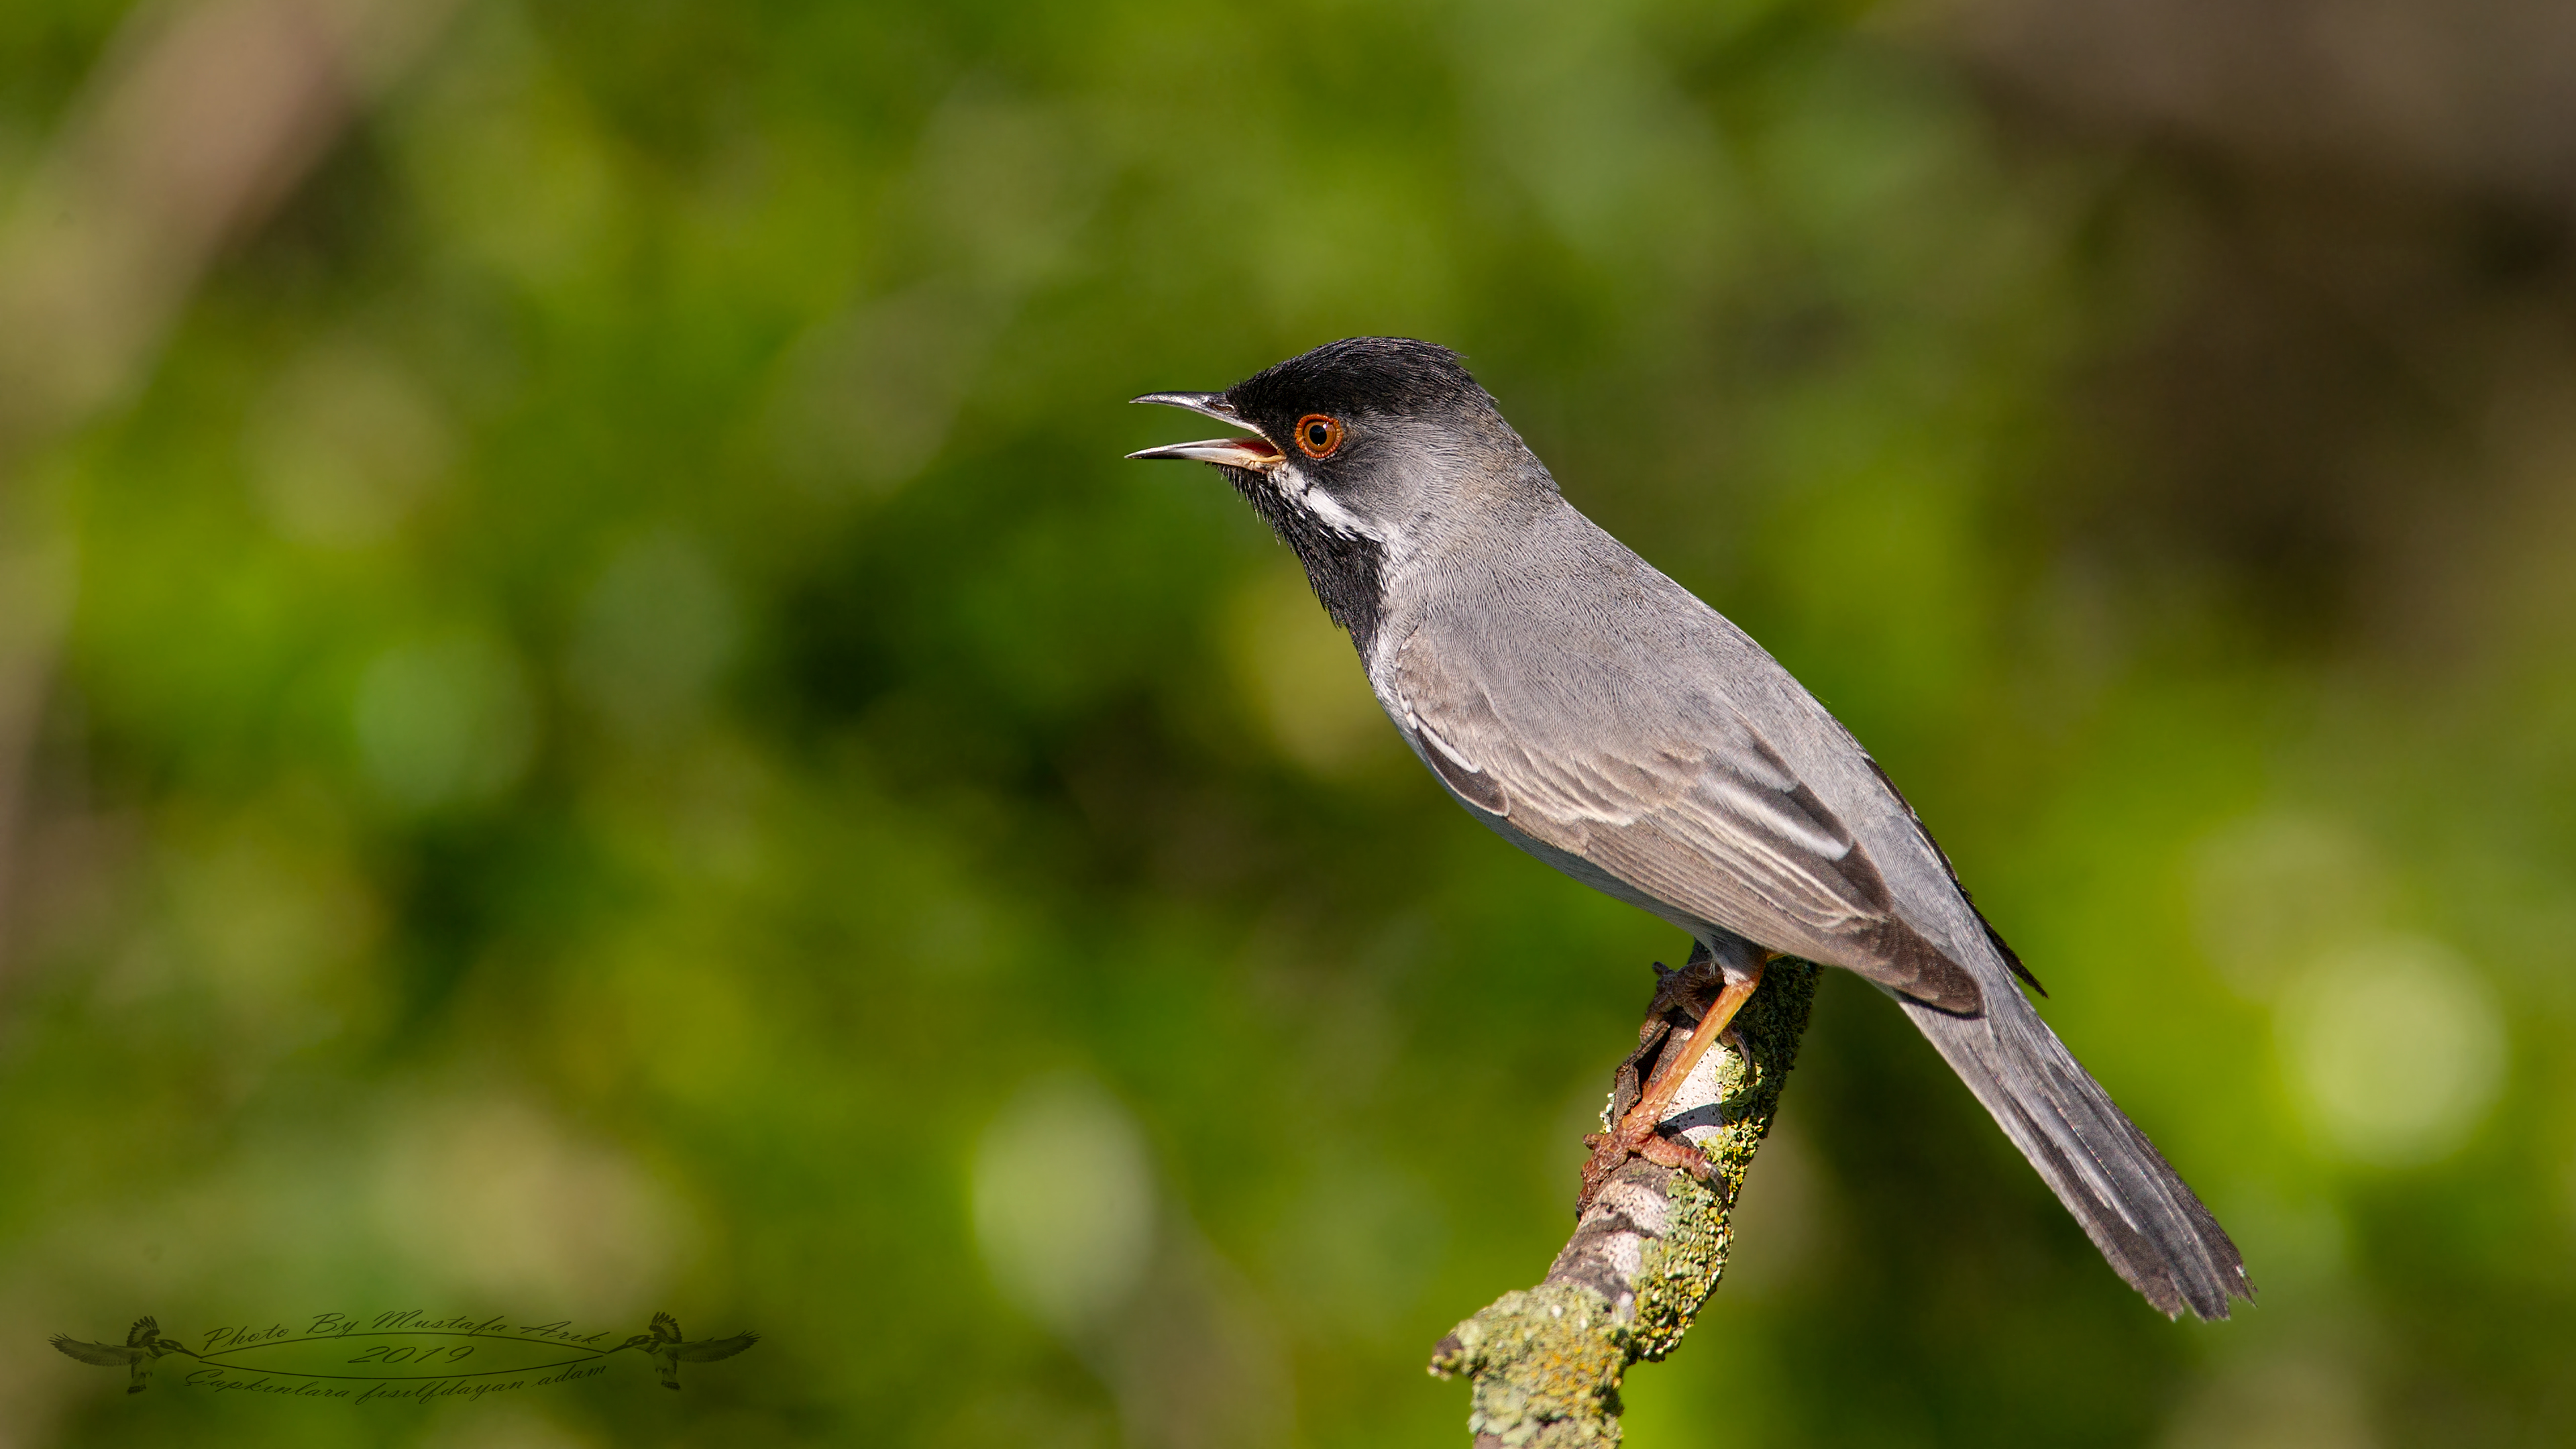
x=1599 y=716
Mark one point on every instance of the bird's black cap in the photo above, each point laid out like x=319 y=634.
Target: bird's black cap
x=1397 y=375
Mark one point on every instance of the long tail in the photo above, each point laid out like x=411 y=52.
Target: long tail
x=2133 y=1205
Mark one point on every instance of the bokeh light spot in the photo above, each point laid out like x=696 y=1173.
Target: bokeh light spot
x=2394 y=1048
x=443 y=722
x=1064 y=1203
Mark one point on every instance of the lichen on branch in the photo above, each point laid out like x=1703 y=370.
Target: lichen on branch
x=1546 y=1363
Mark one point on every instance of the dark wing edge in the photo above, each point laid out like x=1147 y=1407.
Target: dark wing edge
x=1472 y=784
x=103 y=1354
x=1870 y=939
x=1994 y=938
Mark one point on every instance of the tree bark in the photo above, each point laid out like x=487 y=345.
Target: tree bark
x=1545 y=1363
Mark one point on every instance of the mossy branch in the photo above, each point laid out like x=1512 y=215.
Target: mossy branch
x=1546 y=1363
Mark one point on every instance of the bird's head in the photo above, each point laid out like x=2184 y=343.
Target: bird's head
x=1361 y=449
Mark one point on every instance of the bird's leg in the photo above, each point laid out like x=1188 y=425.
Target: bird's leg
x=1677 y=995
x=1679 y=998
x=1633 y=1131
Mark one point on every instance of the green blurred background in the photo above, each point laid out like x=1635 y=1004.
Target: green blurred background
x=609 y=731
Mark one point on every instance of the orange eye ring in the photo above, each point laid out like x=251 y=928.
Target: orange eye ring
x=1318 y=435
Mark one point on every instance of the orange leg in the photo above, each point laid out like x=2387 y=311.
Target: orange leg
x=1635 y=1134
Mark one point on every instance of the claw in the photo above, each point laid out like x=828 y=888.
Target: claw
x=1611 y=1151
x=1638 y=1110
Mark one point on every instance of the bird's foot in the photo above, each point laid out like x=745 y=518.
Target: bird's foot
x=1685 y=990
x=1611 y=1151
x=1701 y=998
x=1681 y=998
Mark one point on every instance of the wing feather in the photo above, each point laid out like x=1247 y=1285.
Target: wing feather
x=1686 y=802
x=709 y=1349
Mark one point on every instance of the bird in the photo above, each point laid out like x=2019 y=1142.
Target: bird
x=1604 y=719
x=143 y=1343
x=665 y=1347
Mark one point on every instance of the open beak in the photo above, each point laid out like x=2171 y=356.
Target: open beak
x=1255 y=452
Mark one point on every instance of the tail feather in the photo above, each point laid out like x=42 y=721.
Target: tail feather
x=2150 y=1226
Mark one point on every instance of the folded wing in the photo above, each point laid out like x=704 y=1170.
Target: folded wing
x=1683 y=801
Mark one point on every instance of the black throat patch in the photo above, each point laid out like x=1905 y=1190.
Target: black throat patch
x=1345 y=568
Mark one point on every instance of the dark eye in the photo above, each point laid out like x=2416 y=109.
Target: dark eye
x=1318 y=435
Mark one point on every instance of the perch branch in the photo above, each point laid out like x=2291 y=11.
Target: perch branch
x=1545 y=1363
